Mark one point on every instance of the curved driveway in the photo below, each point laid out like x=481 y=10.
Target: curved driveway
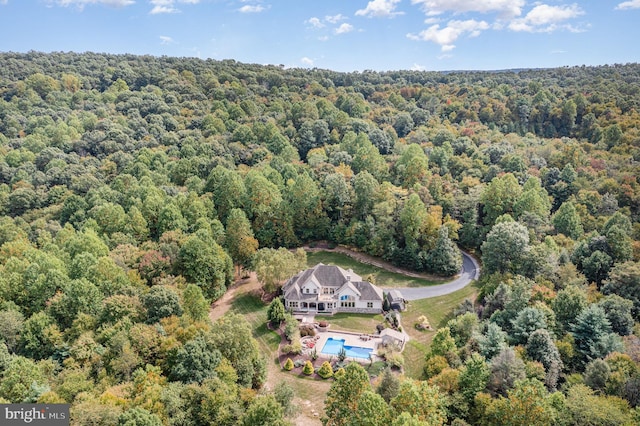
x=470 y=271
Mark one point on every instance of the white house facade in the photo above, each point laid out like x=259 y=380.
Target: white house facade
x=330 y=289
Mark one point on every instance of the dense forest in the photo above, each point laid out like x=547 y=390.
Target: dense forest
x=130 y=187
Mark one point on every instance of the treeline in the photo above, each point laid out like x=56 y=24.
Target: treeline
x=131 y=185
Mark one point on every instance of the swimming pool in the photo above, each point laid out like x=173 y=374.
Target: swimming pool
x=333 y=346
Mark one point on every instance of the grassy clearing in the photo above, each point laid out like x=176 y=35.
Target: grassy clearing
x=437 y=310
x=381 y=276
x=359 y=323
x=311 y=393
x=254 y=311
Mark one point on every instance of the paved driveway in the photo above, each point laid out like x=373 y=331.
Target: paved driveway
x=470 y=271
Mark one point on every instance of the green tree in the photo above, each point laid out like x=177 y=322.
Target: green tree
x=567 y=221
x=474 y=376
x=264 y=410
x=618 y=312
x=420 y=400
x=492 y=342
x=11 y=322
x=228 y=189
x=239 y=240
x=442 y=343
x=372 y=411
x=540 y=347
x=445 y=259
x=586 y=408
x=273 y=266
x=593 y=336
x=527 y=404
x=40 y=336
x=195 y=361
x=528 y=320
x=284 y=394
x=18 y=377
x=161 y=302
x=308 y=368
x=231 y=335
x=276 y=312
x=344 y=395
x=505 y=247
x=500 y=197
x=194 y=303
x=388 y=386
x=567 y=305
x=624 y=280
x=207 y=265
x=138 y=417
x=506 y=370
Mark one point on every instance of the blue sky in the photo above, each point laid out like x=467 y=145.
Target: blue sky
x=343 y=35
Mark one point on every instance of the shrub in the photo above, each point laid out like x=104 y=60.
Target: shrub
x=308 y=368
x=307 y=330
x=339 y=373
x=288 y=365
x=299 y=363
x=294 y=348
x=394 y=359
x=325 y=370
x=423 y=323
x=323 y=324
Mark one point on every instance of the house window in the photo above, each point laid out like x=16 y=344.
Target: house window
x=369 y=304
x=293 y=304
x=315 y=291
x=306 y=290
x=348 y=304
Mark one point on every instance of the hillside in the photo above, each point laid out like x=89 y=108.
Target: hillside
x=132 y=187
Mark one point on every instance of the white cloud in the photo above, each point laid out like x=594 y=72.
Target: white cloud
x=315 y=22
x=344 y=28
x=3 y=1
x=545 y=18
x=163 y=9
x=446 y=36
x=505 y=8
x=82 y=3
x=633 y=4
x=168 y=6
x=323 y=38
x=417 y=67
x=334 y=19
x=379 y=9
x=166 y=40
x=307 y=61
x=251 y=9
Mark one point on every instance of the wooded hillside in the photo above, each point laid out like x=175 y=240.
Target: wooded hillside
x=130 y=186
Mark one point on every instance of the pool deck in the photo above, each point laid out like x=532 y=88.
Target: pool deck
x=350 y=339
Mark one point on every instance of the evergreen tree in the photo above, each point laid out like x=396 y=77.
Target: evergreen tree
x=445 y=259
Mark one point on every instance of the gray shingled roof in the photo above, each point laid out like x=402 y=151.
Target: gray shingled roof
x=368 y=291
x=329 y=276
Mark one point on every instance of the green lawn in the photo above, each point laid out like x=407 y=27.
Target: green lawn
x=437 y=310
x=359 y=323
x=382 y=277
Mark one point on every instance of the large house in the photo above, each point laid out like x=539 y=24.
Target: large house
x=331 y=289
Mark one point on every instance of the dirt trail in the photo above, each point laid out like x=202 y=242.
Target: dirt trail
x=242 y=285
x=305 y=408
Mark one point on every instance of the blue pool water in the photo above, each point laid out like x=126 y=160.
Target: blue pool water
x=333 y=346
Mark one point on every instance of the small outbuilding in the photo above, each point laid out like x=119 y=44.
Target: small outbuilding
x=395 y=300
x=390 y=336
